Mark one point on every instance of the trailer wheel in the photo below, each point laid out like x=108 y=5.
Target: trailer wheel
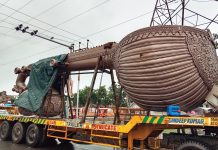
x=5 y=130
x=34 y=135
x=192 y=145
x=18 y=133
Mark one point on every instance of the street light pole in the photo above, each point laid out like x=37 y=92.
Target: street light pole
x=77 y=100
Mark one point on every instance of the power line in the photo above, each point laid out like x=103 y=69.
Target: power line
x=33 y=26
x=38 y=28
x=40 y=20
x=4 y=27
x=25 y=40
x=3 y=34
x=105 y=29
x=50 y=8
x=5 y=3
x=108 y=28
x=14 y=45
x=80 y=14
x=17 y=10
x=55 y=38
x=43 y=12
x=35 y=33
x=9 y=23
x=62 y=22
x=47 y=10
x=116 y=25
x=18 y=43
x=30 y=56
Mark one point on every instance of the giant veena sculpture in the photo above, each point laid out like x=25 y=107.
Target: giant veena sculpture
x=157 y=66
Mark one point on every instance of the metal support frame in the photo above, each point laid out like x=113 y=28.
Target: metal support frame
x=69 y=99
x=183 y=11
x=96 y=112
x=139 y=133
x=98 y=102
x=117 y=104
x=90 y=72
x=142 y=144
x=91 y=90
x=62 y=94
x=77 y=98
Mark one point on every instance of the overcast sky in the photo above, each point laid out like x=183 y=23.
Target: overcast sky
x=71 y=21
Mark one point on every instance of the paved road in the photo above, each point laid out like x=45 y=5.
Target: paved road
x=8 y=145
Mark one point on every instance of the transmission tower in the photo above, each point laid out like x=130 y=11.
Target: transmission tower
x=176 y=12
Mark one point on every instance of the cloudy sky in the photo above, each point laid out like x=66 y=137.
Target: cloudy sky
x=71 y=21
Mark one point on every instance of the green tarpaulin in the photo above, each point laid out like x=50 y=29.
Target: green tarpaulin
x=42 y=76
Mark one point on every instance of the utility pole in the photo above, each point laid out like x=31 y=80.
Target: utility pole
x=77 y=98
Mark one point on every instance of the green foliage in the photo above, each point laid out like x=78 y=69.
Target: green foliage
x=121 y=96
x=103 y=96
x=83 y=96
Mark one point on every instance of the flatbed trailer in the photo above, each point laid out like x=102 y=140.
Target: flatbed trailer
x=10 y=109
x=139 y=132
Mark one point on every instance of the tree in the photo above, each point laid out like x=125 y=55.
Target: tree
x=121 y=96
x=102 y=96
x=83 y=96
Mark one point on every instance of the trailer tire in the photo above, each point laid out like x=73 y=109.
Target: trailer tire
x=193 y=145
x=5 y=130
x=18 y=132
x=34 y=135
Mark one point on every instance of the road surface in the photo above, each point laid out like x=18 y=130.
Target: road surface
x=8 y=145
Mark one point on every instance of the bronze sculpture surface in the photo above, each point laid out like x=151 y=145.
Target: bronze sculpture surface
x=166 y=65
x=157 y=66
